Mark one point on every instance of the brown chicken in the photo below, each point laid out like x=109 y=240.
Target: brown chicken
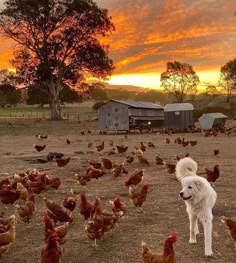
x=9 y=195
x=129 y=159
x=39 y=148
x=112 y=151
x=212 y=175
x=61 y=230
x=94 y=231
x=142 y=146
x=231 y=224
x=118 y=207
x=107 y=163
x=62 y=161
x=83 y=179
x=138 y=196
x=51 y=252
x=122 y=148
x=24 y=194
x=135 y=177
x=159 y=160
x=37 y=183
x=100 y=147
x=117 y=170
x=143 y=159
x=26 y=211
x=96 y=165
x=86 y=208
x=57 y=212
x=4 y=182
x=151 y=145
x=168 y=255
x=70 y=201
x=68 y=141
x=193 y=143
x=54 y=182
x=216 y=151
x=170 y=167
x=7 y=233
x=167 y=141
x=95 y=173
x=41 y=136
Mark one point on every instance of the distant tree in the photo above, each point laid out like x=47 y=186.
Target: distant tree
x=97 y=91
x=9 y=95
x=228 y=78
x=179 y=80
x=211 y=90
x=59 y=41
x=68 y=95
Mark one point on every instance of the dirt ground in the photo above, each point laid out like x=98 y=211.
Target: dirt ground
x=164 y=210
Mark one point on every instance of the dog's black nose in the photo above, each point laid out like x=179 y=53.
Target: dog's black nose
x=181 y=194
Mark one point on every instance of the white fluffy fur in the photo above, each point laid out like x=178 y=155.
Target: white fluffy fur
x=199 y=198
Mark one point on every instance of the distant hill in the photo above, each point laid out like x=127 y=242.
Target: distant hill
x=126 y=87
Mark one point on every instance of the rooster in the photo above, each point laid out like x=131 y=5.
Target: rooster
x=168 y=255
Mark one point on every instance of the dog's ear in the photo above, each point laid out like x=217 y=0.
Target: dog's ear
x=199 y=185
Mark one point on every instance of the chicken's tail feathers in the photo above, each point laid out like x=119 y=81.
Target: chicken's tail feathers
x=185 y=167
x=145 y=249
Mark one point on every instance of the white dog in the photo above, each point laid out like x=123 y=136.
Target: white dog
x=199 y=198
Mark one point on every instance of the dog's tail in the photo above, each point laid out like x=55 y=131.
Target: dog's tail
x=185 y=167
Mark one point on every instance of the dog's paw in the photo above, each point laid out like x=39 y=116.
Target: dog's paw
x=208 y=254
x=192 y=241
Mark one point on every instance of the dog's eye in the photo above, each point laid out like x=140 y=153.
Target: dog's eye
x=190 y=187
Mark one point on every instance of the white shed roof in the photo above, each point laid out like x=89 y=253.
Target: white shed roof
x=178 y=107
x=216 y=115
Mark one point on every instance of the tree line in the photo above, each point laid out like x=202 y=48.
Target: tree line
x=60 y=44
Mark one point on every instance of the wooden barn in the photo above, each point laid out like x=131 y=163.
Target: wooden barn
x=124 y=115
x=212 y=120
x=179 y=116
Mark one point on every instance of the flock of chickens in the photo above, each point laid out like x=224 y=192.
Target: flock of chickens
x=22 y=191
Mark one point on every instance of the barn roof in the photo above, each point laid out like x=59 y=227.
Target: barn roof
x=178 y=107
x=140 y=104
x=216 y=115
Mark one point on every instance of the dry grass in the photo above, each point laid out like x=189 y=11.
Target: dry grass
x=164 y=211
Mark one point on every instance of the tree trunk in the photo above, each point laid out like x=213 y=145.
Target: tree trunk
x=55 y=101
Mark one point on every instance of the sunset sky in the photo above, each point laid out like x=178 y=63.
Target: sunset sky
x=150 y=33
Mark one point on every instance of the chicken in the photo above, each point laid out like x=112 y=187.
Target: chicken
x=167 y=141
x=41 y=136
x=62 y=162
x=68 y=141
x=122 y=148
x=100 y=147
x=107 y=163
x=26 y=211
x=82 y=133
x=117 y=170
x=24 y=194
x=138 y=196
x=37 y=183
x=142 y=159
x=51 y=252
x=135 y=178
x=54 y=181
x=57 y=212
x=9 y=195
x=185 y=143
x=142 y=146
x=69 y=201
x=193 y=143
x=170 y=167
x=129 y=159
x=96 y=165
x=86 y=207
x=111 y=142
x=90 y=144
x=83 y=179
x=159 y=160
x=39 y=148
x=95 y=173
x=61 y=230
x=4 y=181
x=231 y=224
x=112 y=151
x=94 y=231
x=151 y=145
x=8 y=235
x=118 y=207
x=178 y=157
x=168 y=255
x=216 y=151
x=212 y=175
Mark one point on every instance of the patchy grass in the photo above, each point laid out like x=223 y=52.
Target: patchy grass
x=164 y=211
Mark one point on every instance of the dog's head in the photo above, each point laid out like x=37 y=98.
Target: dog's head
x=193 y=189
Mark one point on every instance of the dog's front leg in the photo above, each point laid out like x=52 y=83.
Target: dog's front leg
x=208 y=237
x=192 y=225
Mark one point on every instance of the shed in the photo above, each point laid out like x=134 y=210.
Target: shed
x=212 y=120
x=124 y=115
x=179 y=116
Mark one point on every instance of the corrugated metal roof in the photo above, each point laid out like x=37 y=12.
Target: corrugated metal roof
x=178 y=107
x=215 y=115
x=140 y=104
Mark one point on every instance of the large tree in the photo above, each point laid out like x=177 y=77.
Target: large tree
x=59 y=42
x=179 y=80
x=228 y=78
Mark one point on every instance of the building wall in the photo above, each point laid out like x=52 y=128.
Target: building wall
x=179 y=119
x=146 y=112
